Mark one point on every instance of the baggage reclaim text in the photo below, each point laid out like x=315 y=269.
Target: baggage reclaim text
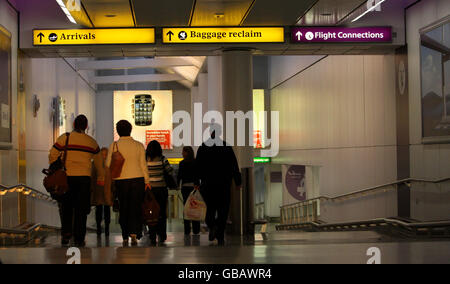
x=220 y=35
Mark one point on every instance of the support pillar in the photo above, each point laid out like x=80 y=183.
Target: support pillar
x=237 y=91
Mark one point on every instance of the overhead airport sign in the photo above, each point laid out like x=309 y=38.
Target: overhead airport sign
x=223 y=35
x=341 y=35
x=94 y=36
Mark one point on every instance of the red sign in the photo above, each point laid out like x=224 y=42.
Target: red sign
x=162 y=136
x=257 y=139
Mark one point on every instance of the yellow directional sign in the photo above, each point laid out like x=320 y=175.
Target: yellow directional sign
x=223 y=35
x=94 y=36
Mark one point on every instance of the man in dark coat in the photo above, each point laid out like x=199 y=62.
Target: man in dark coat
x=216 y=168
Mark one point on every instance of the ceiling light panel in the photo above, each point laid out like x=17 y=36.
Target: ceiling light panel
x=101 y=12
x=220 y=13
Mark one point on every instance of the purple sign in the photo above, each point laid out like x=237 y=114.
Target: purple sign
x=341 y=35
x=295 y=182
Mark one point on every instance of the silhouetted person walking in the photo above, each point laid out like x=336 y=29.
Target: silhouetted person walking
x=158 y=169
x=216 y=168
x=186 y=176
x=76 y=203
x=130 y=185
x=101 y=198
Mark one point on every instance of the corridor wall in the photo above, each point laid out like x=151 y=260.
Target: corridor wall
x=428 y=161
x=339 y=115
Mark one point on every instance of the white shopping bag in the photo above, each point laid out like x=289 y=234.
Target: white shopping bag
x=195 y=207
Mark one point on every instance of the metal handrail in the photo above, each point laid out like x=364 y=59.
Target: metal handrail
x=26 y=190
x=411 y=225
x=370 y=189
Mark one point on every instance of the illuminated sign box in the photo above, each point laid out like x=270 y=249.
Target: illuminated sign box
x=174 y=161
x=262 y=160
x=223 y=35
x=341 y=35
x=94 y=36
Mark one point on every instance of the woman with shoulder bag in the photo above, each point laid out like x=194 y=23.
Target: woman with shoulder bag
x=126 y=161
x=161 y=177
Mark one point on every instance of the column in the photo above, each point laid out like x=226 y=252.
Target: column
x=237 y=91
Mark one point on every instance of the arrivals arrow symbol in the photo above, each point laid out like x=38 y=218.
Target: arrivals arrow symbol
x=170 y=34
x=40 y=36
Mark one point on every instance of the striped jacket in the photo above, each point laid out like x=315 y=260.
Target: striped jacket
x=156 y=170
x=81 y=150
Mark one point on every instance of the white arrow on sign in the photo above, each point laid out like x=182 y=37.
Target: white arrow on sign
x=299 y=35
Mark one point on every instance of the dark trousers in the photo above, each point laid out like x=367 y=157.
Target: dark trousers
x=130 y=193
x=161 y=196
x=217 y=208
x=75 y=207
x=100 y=211
x=186 y=191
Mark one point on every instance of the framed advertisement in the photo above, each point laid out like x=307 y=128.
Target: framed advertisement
x=435 y=81
x=5 y=88
x=150 y=114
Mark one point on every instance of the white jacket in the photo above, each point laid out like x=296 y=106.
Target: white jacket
x=133 y=152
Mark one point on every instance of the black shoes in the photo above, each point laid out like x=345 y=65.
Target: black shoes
x=80 y=244
x=65 y=242
x=212 y=234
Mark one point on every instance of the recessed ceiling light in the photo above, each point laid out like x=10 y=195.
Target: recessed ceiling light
x=219 y=15
x=326 y=14
x=110 y=16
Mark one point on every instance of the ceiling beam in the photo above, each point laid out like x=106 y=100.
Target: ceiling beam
x=133 y=63
x=124 y=79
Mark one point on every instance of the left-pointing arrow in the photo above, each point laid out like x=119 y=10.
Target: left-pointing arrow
x=40 y=36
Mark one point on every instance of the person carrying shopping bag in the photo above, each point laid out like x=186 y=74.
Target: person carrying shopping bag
x=185 y=178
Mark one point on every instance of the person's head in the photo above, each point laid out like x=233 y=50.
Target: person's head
x=80 y=123
x=104 y=152
x=153 y=150
x=123 y=128
x=188 y=153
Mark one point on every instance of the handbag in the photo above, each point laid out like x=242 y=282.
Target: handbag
x=168 y=178
x=115 y=206
x=55 y=181
x=117 y=161
x=150 y=209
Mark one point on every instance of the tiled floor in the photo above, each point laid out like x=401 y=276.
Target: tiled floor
x=274 y=248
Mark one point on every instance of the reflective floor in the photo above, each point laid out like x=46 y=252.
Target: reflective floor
x=272 y=248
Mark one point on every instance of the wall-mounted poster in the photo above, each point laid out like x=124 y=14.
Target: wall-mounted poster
x=5 y=86
x=150 y=114
x=435 y=71
x=294 y=183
